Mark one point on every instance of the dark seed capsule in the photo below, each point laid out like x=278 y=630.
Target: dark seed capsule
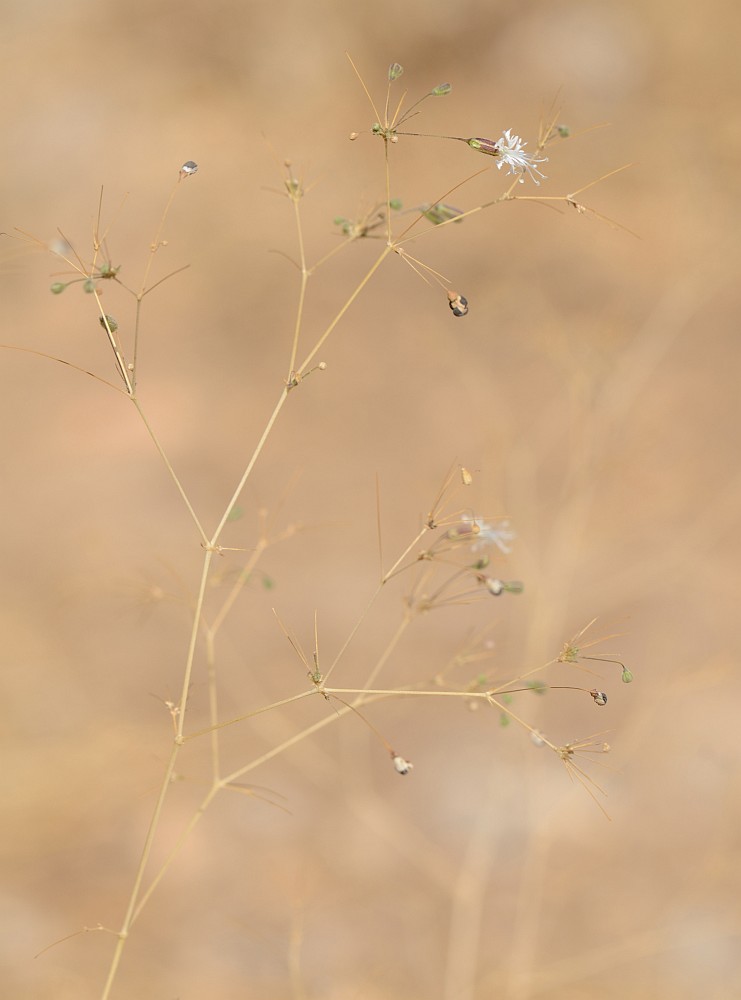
x=458 y=304
x=600 y=698
x=189 y=167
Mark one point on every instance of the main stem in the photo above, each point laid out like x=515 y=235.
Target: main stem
x=210 y=545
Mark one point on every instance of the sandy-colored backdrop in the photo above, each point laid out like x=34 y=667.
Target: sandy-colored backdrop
x=593 y=392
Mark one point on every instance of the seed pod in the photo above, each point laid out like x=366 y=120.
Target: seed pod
x=458 y=304
x=600 y=698
x=395 y=71
x=188 y=168
x=441 y=89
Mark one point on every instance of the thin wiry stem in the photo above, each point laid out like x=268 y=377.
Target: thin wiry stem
x=168 y=466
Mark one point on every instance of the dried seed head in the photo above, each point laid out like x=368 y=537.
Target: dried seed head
x=466 y=477
x=600 y=698
x=188 y=168
x=353 y=136
x=401 y=766
x=495 y=587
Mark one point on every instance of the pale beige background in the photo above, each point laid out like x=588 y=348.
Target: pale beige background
x=593 y=388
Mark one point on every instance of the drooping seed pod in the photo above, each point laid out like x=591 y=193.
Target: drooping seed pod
x=458 y=304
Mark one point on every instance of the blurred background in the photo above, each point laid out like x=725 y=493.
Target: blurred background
x=592 y=391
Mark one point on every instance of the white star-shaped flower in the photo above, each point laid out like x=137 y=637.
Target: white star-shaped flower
x=511 y=153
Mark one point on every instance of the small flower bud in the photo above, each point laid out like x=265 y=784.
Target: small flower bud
x=108 y=323
x=466 y=477
x=88 y=286
x=441 y=213
x=395 y=71
x=402 y=766
x=600 y=698
x=57 y=288
x=441 y=89
x=488 y=146
x=564 y=131
x=495 y=587
x=353 y=136
x=322 y=366
x=396 y=204
x=627 y=675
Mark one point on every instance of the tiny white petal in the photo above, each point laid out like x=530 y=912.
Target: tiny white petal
x=500 y=534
